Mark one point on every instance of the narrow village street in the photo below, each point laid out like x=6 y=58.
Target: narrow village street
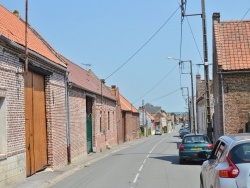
x=153 y=163
x=118 y=94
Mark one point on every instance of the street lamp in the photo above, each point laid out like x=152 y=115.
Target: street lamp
x=192 y=88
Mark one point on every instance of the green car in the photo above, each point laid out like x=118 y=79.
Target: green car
x=191 y=144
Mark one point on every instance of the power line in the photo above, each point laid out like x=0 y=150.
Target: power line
x=143 y=44
x=194 y=39
x=152 y=100
x=156 y=84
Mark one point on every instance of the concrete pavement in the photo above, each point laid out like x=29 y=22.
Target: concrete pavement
x=49 y=177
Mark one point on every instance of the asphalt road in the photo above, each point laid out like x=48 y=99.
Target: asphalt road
x=153 y=163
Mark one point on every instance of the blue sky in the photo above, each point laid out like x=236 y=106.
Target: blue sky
x=110 y=33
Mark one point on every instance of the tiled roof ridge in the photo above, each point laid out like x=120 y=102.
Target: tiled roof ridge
x=46 y=44
x=234 y=21
x=131 y=107
x=93 y=74
x=63 y=57
x=13 y=28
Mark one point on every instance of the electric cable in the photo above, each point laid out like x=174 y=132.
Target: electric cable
x=155 y=85
x=143 y=44
x=194 y=39
x=152 y=100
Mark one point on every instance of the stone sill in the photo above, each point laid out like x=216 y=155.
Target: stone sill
x=3 y=156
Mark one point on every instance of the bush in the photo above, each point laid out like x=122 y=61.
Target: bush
x=149 y=131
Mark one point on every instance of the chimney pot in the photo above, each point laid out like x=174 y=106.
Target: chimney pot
x=216 y=16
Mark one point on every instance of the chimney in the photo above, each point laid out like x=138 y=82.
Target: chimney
x=216 y=17
x=16 y=13
x=113 y=86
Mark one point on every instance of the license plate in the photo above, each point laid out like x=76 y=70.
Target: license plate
x=196 y=149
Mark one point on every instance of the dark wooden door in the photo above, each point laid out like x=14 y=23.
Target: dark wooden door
x=35 y=123
x=89 y=103
x=89 y=133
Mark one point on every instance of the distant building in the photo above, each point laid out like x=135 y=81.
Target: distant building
x=127 y=117
x=201 y=104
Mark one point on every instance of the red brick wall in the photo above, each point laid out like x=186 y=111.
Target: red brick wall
x=107 y=136
x=56 y=120
x=13 y=84
x=132 y=126
x=12 y=80
x=237 y=102
x=78 y=133
x=119 y=121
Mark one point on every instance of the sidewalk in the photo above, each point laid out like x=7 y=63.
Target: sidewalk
x=47 y=178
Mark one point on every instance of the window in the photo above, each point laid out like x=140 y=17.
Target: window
x=240 y=153
x=212 y=156
x=218 y=150
x=3 y=125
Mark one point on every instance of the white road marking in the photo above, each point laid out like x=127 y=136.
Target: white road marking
x=136 y=178
x=141 y=168
x=137 y=175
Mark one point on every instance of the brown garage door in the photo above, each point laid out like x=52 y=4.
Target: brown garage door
x=35 y=123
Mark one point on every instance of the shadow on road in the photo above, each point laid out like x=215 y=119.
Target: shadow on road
x=175 y=160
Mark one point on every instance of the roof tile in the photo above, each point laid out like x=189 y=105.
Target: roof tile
x=127 y=106
x=87 y=79
x=13 y=28
x=232 y=39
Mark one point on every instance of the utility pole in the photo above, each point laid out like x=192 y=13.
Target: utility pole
x=26 y=38
x=206 y=72
x=206 y=68
x=189 y=110
x=192 y=89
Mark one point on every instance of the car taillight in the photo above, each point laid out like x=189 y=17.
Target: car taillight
x=181 y=147
x=210 y=146
x=231 y=172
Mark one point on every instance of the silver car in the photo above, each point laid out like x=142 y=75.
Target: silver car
x=228 y=165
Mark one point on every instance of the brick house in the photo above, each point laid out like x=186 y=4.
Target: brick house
x=201 y=104
x=127 y=118
x=32 y=104
x=92 y=113
x=158 y=120
x=170 y=120
x=231 y=75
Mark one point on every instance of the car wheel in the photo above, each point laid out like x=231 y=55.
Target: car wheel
x=201 y=183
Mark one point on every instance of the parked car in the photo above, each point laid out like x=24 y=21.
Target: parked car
x=183 y=132
x=191 y=144
x=229 y=163
x=158 y=132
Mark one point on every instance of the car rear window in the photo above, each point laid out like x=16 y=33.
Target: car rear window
x=240 y=153
x=196 y=139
